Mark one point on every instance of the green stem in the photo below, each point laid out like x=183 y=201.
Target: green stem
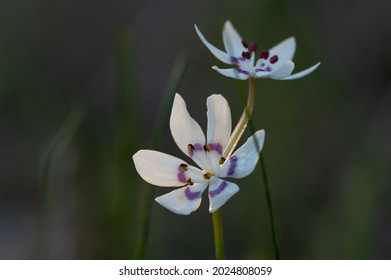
x=218 y=234
x=235 y=137
x=242 y=124
x=269 y=206
x=268 y=197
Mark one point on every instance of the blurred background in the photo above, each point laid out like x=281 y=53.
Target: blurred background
x=81 y=83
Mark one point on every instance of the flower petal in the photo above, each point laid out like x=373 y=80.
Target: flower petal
x=232 y=40
x=219 y=120
x=219 y=192
x=284 y=50
x=219 y=54
x=184 y=129
x=244 y=160
x=232 y=73
x=302 y=73
x=184 y=200
x=164 y=170
x=284 y=71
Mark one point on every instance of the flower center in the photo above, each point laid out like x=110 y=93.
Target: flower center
x=264 y=54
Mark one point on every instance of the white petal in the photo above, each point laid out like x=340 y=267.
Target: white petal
x=232 y=40
x=219 y=54
x=184 y=200
x=219 y=192
x=231 y=73
x=244 y=160
x=219 y=120
x=284 y=50
x=302 y=73
x=161 y=169
x=184 y=129
x=284 y=71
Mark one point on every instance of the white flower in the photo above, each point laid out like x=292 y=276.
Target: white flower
x=275 y=63
x=168 y=171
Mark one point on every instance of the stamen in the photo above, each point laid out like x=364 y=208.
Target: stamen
x=206 y=148
x=253 y=47
x=222 y=160
x=273 y=59
x=264 y=54
x=244 y=44
x=189 y=182
x=183 y=167
x=246 y=55
x=190 y=148
x=207 y=175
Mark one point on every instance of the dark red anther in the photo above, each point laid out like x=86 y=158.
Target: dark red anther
x=264 y=54
x=244 y=44
x=253 y=47
x=246 y=55
x=273 y=59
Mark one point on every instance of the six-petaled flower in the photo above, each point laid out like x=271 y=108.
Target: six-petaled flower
x=275 y=63
x=164 y=170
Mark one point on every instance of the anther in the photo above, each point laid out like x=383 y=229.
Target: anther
x=246 y=55
x=206 y=148
x=273 y=59
x=183 y=167
x=190 y=148
x=264 y=54
x=244 y=44
x=253 y=47
x=222 y=160
x=189 y=182
x=207 y=175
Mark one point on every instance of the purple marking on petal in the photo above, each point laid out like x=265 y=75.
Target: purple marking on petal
x=234 y=60
x=233 y=162
x=181 y=175
x=191 y=195
x=198 y=147
x=216 y=147
x=240 y=70
x=260 y=70
x=195 y=148
x=220 y=188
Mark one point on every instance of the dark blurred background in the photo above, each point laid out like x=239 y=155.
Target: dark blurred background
x=80 y=86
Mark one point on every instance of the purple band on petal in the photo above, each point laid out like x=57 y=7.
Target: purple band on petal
x=198 y=147
x=234 y=60
x=220 y=188
x=181 y=175
x=232 y=165
x=240 y=70
x=195 y=148
x=216 y=147
x=191 y=195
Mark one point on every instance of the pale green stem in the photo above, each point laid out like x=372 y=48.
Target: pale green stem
x=233 y=141
x=242 y=124
x=218 y=234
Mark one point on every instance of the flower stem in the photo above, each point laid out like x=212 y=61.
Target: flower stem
x=242 y=124
x=270 y=208
x=235 y=137
x=218 y=234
